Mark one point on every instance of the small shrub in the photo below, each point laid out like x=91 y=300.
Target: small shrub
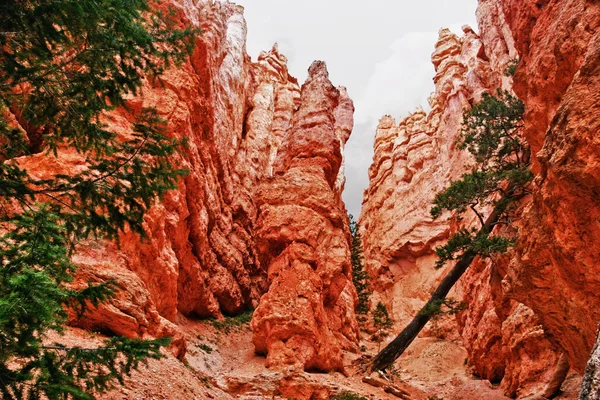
x=229 y=324
x=393 y=374
x=205 y=348
x=511 y=67
x=381 y=317
x=447 y=306
x=433 y=309
x=348 y=396
x=382 y=321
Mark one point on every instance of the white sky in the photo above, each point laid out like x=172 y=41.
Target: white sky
x=380 y=50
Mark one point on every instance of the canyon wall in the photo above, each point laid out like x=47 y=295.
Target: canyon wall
x=213 y=245
x=555 y=268
x=524 y=309
x=258 y=223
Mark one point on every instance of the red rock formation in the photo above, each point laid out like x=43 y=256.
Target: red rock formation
x=201 y=257
x=555 y=270
x=414 y=161
x=307 y=316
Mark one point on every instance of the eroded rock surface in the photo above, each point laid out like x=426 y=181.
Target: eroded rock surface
x=259 y=220
x=414 y=160
x=555 y=269
x=246 y=125
x=307 y=316
x=503 y=332
x=590 y=389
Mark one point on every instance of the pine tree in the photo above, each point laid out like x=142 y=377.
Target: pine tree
x=499 y=178
x=382 y=322
x=63 y=65
x=381 y=317
x=360 y=277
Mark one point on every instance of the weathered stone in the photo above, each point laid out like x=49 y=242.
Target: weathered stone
x=307 y=316
x=246 y=128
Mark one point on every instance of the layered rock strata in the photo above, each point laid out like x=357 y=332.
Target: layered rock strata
x=306 y=318
x=414 y=160
x=199 y=259
x=246 y=124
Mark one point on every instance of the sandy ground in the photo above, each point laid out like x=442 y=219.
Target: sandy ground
x=222 y=365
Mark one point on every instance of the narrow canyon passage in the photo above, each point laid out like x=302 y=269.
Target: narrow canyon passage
x=268 y=289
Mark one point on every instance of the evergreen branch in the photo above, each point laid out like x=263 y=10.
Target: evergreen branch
x=59 y=75
x=477 y=214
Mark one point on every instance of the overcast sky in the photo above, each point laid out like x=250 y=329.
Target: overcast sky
x=380 y=50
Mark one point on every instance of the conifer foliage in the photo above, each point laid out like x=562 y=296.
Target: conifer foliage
x=382 y=322
x=381 y=317
x=360 y=277
x=63 y=65
x=499 y=178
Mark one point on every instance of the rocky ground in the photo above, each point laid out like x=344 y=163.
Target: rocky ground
x=221 y=364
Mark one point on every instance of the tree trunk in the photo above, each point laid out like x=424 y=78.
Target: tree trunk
x=392 y=351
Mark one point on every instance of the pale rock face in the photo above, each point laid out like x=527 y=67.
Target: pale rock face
x=590 y=388
x=307 y=316
x=413 y=161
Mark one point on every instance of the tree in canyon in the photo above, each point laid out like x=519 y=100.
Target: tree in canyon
x=63 y=65
x=499 y=178
x=382 y=322
x=360 y=277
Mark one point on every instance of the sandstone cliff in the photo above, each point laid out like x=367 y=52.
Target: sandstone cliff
x=212 y=244
x=413 y=161
x=525 y=309
x=554 y=270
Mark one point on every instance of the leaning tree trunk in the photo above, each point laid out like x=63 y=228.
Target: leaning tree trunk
x=590 y=388
x=392 y=351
